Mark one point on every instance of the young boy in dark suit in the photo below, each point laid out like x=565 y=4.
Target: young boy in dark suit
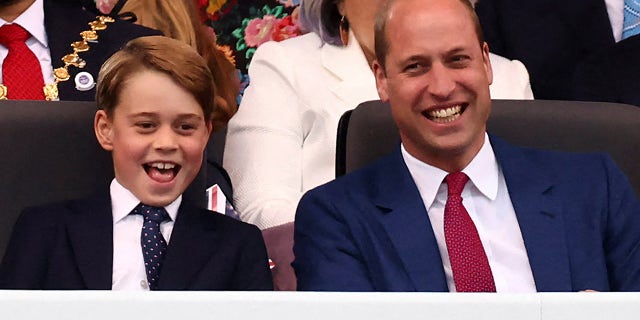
x=156 y=99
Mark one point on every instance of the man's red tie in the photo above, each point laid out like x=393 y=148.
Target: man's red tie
x=21 y=71
x=471 y=270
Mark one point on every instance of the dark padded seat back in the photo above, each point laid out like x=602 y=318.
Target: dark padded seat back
x=368 y=132
x=48 y=153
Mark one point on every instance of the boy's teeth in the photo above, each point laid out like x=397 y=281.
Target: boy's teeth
x=163 y=166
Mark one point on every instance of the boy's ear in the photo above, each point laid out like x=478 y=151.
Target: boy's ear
x=104 y=130
x=209 y=127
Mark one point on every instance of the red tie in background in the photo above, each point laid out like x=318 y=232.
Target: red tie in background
x=471 y=270
x=21 y=71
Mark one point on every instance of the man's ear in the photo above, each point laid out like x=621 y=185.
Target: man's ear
x=381 y=80
x=487 y=62
x=103 y=128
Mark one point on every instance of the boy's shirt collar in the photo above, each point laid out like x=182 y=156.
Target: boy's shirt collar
x=123 y=202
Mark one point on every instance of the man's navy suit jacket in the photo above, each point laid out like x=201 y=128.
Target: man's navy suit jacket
x=63 y=23
x=550 y=37
x=70 y=246
x=369 y=230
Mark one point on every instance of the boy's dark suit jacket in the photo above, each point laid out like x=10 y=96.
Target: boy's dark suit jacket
x=549 y=36
x=70 y=246
x=369 y=230
x=63 y=23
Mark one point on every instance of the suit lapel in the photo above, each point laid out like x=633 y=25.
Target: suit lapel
x=406 y=222
x=355 y=82
x=539 y=214
x=193 y=242
x=91 y=236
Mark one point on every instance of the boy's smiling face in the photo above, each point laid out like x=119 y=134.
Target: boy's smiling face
x=157 y=135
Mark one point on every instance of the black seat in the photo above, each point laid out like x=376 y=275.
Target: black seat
x=368 y=132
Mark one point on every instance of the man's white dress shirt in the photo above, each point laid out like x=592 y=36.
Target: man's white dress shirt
x=487 y=201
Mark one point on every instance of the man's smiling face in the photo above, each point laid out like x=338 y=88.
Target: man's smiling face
x=436 y=78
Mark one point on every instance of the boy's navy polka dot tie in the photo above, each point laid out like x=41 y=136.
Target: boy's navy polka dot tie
x=153 y=244
x=469 y=263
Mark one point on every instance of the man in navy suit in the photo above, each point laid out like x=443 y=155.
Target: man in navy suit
x=546 y=221
x=141 y=234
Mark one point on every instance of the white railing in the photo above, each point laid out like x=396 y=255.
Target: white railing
x=70 y=305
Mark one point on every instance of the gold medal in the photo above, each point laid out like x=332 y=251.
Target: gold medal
x=106 y=19
x=51 y=91
x=89 y=35
x=3 y=92
x=61 y=74
x=97 y=25
x=71 y=58
x=80 y=46
x=74 y=60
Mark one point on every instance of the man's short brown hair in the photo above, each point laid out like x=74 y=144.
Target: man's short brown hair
x=380 y=26
x=156 y=53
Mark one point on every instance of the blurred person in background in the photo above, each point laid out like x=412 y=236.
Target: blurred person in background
x=179 y=19
x=63 y=52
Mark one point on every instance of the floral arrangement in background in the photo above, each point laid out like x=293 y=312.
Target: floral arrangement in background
x=246 y=24
x=241 y=26
x=273 y=25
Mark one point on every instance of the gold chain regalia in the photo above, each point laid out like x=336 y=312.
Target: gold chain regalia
x=72 y=59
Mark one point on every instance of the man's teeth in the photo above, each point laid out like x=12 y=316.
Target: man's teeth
x=445 y=113
x=162 y=165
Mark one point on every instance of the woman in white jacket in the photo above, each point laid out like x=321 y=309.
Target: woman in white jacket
x=281 y=142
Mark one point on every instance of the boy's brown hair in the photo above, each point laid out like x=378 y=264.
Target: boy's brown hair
x=156 y=53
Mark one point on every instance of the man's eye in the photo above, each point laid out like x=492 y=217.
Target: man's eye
x=412 y=66
x=460 y=59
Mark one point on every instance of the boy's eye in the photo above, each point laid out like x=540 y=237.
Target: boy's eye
x=145 y=125
x=187 y=127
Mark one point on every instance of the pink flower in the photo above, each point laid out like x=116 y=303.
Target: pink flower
x=285 y=29
x=105 y=6
x=259 y=31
